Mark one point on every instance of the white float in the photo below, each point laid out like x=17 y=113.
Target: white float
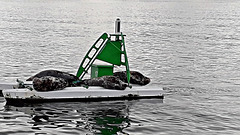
x=74 y=94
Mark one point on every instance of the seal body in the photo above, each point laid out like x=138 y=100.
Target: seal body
x=49 y=83
x=108 y=82
x=136 y=77
x=54 y=73
x=49 y=80
x=69 y=78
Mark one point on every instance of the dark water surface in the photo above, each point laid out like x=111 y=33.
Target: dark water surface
x=189 y=47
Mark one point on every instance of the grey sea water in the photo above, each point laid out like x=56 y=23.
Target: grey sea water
x=189 y=47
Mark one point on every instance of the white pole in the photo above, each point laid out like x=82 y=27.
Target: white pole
x=117 y=26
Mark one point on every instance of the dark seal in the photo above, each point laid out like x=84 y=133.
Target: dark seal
x=136 y=77
x=69 y=78
x=49 y=83
x=49 y=80
x=108 y=82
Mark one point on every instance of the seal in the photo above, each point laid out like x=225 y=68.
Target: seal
x=69 y=78
x=49 y=83
x=136 y=77
x=107 y=82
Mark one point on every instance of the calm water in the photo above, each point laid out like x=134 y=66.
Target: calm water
x=189 y=47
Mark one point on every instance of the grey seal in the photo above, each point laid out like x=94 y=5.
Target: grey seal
x=108 y=82
x=69 y=78
x=136 y=77
x=49 y=83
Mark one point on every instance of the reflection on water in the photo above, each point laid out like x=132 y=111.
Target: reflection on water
x=95 y=117
x=107 y=117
